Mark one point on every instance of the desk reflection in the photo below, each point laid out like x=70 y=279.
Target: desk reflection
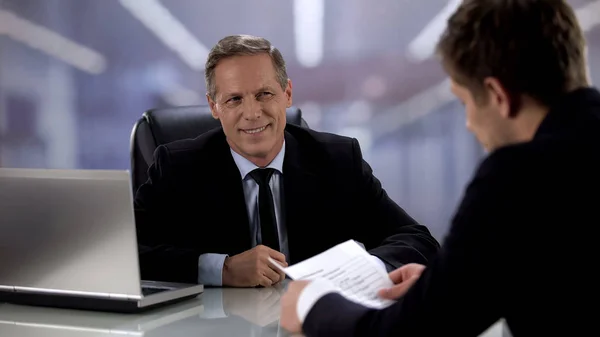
x=216 y=312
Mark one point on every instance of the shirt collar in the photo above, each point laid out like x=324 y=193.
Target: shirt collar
x=245 y=166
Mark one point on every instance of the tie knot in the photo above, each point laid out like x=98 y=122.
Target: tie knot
x=262 y=175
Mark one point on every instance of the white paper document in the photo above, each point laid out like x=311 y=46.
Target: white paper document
x=350 y=268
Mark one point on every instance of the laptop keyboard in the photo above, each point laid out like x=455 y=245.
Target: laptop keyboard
x=152 y=290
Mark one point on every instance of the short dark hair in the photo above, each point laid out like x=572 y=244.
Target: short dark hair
x=533 y=47
x=239 y=45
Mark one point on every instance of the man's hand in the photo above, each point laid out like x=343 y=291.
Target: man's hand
x=252 y=268
x=403 y=278
x=289 y=301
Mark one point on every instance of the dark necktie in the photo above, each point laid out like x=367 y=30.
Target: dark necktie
x=266 y=209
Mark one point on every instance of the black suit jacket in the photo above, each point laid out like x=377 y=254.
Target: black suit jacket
x=193 y=203
x=520 y=246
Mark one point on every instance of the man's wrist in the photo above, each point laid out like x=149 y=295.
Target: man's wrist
x=227 y=277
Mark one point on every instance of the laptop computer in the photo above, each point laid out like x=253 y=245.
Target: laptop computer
x=68 y=239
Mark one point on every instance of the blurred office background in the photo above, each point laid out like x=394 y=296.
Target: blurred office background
x=75 y=75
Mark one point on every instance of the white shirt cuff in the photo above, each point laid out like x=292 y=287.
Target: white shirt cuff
x=210 y=269
x=311 y=294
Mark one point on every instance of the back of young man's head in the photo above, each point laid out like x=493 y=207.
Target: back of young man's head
x=534 y=48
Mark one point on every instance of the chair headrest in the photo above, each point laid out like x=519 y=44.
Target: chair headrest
x=171 y=124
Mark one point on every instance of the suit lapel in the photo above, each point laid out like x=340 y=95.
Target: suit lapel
x=300 y=196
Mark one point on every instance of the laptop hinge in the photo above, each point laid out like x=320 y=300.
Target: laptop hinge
x=7 y=288
x=33 y=290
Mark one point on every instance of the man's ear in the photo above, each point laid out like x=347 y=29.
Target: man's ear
x=498 y=97
x=288 y=93
x=213 y=106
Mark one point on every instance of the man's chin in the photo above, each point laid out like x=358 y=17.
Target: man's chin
x=257 y=154
x=257 y=150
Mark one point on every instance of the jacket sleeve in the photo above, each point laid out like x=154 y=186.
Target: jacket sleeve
x=387 y=231
x=162 y=257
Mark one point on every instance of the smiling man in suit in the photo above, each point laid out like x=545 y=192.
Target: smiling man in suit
x=216 y=207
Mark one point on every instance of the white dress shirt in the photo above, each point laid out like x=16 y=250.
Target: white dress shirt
x=210 y=265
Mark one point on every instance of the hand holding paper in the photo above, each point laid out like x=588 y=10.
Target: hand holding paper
x=350 y=268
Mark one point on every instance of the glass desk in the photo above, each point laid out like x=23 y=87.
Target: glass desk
x=216 y=312
x=226 y=312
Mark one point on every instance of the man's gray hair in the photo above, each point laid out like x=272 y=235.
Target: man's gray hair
x=240 y=45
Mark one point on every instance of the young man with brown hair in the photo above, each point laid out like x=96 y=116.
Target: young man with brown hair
x=518 y=247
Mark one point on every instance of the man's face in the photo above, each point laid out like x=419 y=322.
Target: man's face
x=484 y=119
x=251 y=105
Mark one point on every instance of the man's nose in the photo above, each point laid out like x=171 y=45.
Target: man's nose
x=251 y=109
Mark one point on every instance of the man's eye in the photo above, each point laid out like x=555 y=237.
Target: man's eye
x=234 y=99
x=265 y=94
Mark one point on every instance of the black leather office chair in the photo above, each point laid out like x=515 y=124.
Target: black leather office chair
x=161 y=126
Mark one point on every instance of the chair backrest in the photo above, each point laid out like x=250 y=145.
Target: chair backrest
x=162 y=126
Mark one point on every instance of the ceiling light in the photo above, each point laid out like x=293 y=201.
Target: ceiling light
x=170 y=31
x=52 y=43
